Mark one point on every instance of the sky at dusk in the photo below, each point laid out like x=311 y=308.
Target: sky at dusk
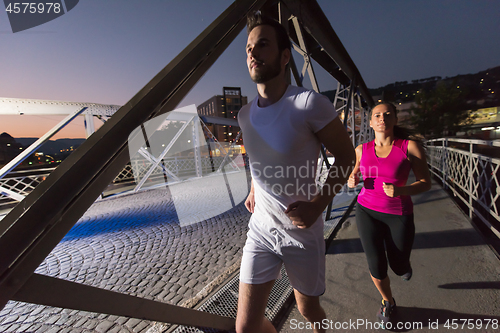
x=106 y=51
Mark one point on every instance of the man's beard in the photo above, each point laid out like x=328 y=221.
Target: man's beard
x=269 y=73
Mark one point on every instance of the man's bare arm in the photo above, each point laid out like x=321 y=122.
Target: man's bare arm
x=335 y=138
x=250 y=201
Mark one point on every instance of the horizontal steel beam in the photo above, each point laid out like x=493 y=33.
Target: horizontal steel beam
x=50 y=291
x=219 y=121
x=21 y=106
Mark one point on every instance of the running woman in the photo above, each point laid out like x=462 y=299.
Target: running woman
x=384 y=211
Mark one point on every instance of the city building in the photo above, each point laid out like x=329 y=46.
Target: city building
x=227 y=106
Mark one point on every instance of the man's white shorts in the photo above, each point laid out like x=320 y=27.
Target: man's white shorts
x=302 y=251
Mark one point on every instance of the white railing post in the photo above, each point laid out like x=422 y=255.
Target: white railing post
x=482 y=198
x=471 y=180
x=196 y=145
x=444 y=160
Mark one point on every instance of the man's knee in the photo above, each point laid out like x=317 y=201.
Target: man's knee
x=307 y=310
x=252 y=302
x=252 y=326
x=304 y=311
x=309 y=307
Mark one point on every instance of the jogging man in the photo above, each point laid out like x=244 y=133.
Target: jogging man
x=283 y=129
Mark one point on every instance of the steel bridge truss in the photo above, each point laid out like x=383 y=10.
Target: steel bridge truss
x=348 y=95
x=15 y=189
x=34 y=227
x=164 y=169
x=15 y=186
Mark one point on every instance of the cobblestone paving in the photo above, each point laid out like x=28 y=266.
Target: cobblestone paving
x=134 y=245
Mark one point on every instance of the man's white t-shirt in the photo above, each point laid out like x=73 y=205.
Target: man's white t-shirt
x=283 y=150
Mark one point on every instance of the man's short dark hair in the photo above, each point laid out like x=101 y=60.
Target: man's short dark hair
x=254 y=19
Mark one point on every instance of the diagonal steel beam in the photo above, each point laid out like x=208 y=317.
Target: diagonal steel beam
x=35 y=145
x=304 y=50
x=36 y=225
x=314 y=21
x=295 y=72
x=320 y=56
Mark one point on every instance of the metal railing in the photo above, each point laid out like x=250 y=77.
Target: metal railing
x=24 y=182
x=182 y=167
x=464 y=168
x=16 y=185
x=21 y=183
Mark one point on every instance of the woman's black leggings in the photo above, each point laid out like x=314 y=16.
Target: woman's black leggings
x=381 y=232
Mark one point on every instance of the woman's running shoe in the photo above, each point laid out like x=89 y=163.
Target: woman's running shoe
x=385 y=312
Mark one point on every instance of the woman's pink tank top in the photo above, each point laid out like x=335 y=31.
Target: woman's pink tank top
x=394 y=169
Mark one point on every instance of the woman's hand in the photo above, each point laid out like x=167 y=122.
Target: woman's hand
x=250 y=202
x=390 y=190
x=303 y=213
x=353 y=180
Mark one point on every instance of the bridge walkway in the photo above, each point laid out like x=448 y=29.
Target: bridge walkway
x=131 y=244
x=455 y=276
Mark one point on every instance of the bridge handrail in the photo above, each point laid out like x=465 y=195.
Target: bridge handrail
x=24 y=182
x=472 y=177
x=492 y=143
x=22 y=173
